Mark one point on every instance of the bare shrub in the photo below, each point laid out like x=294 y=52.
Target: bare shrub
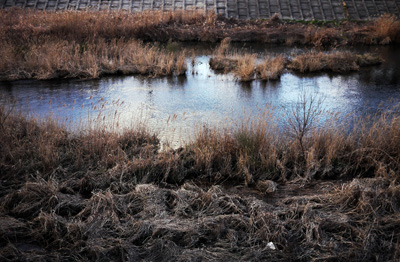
x=302 y=119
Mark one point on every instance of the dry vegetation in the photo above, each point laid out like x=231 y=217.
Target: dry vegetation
x=223 y=59
x=63 y=59
x=190 y=26
x=317 y=191
x=100 y=194
x=45 y=46
x=95 y=43
x=272 y=68
x=246 y=68
x=336 y=61
x=385 y=29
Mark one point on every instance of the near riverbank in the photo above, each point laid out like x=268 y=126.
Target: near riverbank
x=312 y=193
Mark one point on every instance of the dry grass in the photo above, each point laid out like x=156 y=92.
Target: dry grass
x=85 y=196
x=21 y=25
x=63 y=59
x=386 y=29
x=319 y=61
x=305 y=148
x=245 y=70
x=87 y=45
x=271 y=68
x=225 y=64
x=223 y=47
x=336 y=61
x=96 y=43
x=222 y=59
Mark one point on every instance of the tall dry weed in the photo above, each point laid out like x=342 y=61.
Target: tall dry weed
x=245 y=70
x=63 y=59
x=386 y=29
x=271 y=68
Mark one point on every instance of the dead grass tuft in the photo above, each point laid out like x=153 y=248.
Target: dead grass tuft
x=245 y=67
x=222 y=60
x=271 y=68
x=386 y=29
x=245 y=70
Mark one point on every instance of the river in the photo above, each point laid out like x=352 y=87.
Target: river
x=175 y=107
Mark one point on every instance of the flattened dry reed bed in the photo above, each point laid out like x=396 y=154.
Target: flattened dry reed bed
x=100 y=194
x=95 y=43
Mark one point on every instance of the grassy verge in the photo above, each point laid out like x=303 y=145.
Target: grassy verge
x=316 y=190
x=45 y=45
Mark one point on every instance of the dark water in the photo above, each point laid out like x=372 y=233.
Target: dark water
x=176 y=107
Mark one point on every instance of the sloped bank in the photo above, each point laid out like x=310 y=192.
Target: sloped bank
x=113 y=196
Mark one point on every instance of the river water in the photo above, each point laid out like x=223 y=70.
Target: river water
x=175 y=107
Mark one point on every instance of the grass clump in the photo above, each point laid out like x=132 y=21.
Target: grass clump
x=221 y=59
x=245 y=66
x=386 y=29
x=271 y=68
x=225 y=64
x=337 y=61
x=245 y=69
x=319 y=61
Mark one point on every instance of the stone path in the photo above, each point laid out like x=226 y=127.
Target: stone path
x=242 y=9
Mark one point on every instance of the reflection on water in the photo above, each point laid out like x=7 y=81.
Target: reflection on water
x=175 y=106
